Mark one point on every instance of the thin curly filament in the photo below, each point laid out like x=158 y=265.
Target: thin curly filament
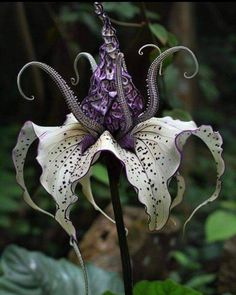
x=176 y=49
x=74 y=244
x=93 y=64
x=153 y=95
x=140 y=52
x=19 y=84
x=71 y=100
x=121 y=97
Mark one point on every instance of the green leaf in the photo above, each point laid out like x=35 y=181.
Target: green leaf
x=124 y=10
x=228 y=204
x=33 y=273
x=100 y=173
x=172 y=39
x=220 y=225
x=160 y=32
x=152 y=15
x=184 y=260
x=178 y=114
x=201 y=280
x=167 y=287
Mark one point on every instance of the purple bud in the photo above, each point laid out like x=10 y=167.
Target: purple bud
x=101 y=103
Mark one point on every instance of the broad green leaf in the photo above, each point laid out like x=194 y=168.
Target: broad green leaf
x=167 y=287
x=33 y=273
x=160 y=32
x=220 y=225
x=178 y=114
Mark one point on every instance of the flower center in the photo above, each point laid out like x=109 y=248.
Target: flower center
x=102 y=104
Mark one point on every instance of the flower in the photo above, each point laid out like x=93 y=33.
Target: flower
x=114 y=118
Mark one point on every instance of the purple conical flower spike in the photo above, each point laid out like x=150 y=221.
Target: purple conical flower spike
x=103 y=103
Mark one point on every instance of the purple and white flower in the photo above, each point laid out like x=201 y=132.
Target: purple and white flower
x=113 y=117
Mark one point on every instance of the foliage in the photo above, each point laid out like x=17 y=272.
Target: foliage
x=214 y=229
x=25 y=272
x=160 y=32
x=167 y=287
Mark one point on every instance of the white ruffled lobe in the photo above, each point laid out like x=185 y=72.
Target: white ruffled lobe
x=156 y=150
x=63 y=165
x=159 y=145
x=59 y=153
x=56 y=147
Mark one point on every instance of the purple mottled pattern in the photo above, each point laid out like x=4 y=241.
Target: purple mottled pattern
x=101 y=103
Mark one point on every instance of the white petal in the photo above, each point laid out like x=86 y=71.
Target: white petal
x=214 y=142
x=59 y=153
x=180 y=191
x=132 y=164
x=159 y=144
x=87 y=191
x=70 y=119
x=55 y=143
x=26 y=137
x=156 y=150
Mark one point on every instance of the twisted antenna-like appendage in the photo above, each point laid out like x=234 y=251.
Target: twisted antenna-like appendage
x=153 y=101
x=75 y=245
x=121 y=97
x=99 y=10
x=71 y=100
x=140 y=52
x=93 y=64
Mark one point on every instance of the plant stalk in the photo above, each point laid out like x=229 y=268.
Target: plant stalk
x=114 y=170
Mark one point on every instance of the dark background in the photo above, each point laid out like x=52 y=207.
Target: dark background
x=54 y=33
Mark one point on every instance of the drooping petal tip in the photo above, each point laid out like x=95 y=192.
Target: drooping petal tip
x=213 y=141
x=159 y=148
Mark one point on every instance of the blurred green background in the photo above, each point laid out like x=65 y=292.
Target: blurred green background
x=54 y=33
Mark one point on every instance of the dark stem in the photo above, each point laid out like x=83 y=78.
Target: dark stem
x=114 y=171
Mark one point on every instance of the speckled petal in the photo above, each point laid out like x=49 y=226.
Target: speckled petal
x=58 y=154
x=158 y=145
x=26 y=137
x=158 y=153
x=156 y=150
x=213 y=141
x=58 y=147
